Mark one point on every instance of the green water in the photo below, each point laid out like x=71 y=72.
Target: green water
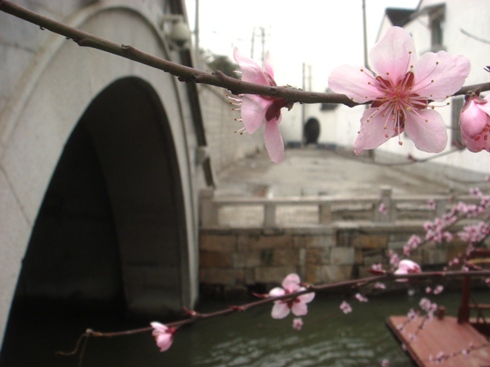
x=251 y=338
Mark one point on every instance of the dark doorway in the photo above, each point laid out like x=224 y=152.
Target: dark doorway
x=312 y=131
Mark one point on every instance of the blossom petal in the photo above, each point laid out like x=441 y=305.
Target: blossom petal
x=306 y=298
x=251 y=71
x=291 y=278
x=427 y=130
x=355 y=82
x=299 y=308
x=375 y=130
x=164 y=341
x=277 y=292
x=485 y=106
x=437 y=76
x=253 y=112
x=273 y=140
x=158 y=327
x=472 y=119
x=393 y=55
x=475 y=145
x=280 y=310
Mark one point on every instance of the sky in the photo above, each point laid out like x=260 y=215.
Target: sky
x=321 y=34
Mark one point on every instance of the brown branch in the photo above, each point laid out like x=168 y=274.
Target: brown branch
x=185 y=73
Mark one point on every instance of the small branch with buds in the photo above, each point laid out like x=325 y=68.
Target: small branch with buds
x=194 y=316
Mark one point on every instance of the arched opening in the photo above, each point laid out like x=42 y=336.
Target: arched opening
x=111 y=229
x=312 y=131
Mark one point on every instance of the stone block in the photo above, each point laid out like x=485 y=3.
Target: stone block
x=327 y=273
x=299 y=242
x=370 y=241
x=317 y=256
x=218 y=276
x=342 y=256
x=322 y=240
x=217 y=243
x=248 y=243
x=248 y=259
x=285 y=257
x=373 y=257
x=272 y=274
x=358 y=256
x=215 y=259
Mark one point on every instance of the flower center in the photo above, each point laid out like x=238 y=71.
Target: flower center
x=398 y=100
x=274 y=109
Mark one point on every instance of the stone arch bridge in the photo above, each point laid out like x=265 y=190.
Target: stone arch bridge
x=102 y=160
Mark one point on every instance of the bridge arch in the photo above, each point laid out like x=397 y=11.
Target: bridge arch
x=62 y=86
x=112 y=221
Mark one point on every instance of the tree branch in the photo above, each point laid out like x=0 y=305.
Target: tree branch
x=185 y=73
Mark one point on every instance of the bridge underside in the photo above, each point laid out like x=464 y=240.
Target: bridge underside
x=111 y=226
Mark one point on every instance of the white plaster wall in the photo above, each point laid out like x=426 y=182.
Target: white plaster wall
x=44 y=100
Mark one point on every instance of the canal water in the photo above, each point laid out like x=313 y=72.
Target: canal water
x=251 y=338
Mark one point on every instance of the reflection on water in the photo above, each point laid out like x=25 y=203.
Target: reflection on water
x=252 y=338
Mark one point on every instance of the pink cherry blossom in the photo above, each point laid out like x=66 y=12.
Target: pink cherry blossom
x=345 y=307
x=400 y=92
x=407 y=267
x=361 y=298
x=475 y=123
x=260 y=110
x=164 y=336
x=297 y=305
x=297 y=323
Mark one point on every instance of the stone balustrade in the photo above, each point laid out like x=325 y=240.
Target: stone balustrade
x=331 y=249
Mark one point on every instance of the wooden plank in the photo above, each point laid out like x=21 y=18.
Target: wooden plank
x=440 y=335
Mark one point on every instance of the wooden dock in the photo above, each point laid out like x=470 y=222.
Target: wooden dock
x=440 y=335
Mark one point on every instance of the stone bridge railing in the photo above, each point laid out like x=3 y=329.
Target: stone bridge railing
x=333 y=239
x=327 y=209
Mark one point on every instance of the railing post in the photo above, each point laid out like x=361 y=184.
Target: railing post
x=325 y=213
x=269 y=215
x=440 y=208
x=389 y=213
x=208 y=212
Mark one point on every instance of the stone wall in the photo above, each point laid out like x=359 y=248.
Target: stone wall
x=241 y=258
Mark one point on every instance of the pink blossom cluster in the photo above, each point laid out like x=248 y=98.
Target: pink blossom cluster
x=429 y=307
x=437 y=290
x=436 y=230
x=412 y=244
x=394 y=258
x=474 y=233
x=361 y=298
x=345 y=307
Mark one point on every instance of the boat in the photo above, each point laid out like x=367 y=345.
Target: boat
x=448 y=341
